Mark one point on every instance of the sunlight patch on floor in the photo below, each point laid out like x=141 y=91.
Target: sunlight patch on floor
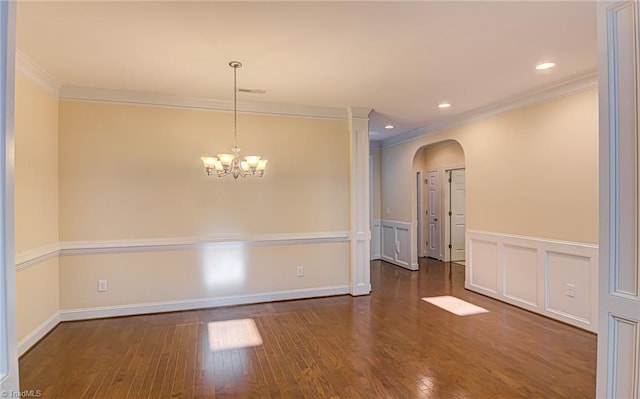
x=233 y=334
x=455 y=305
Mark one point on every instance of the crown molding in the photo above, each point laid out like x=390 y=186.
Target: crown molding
x=565 y=88
x=38 y=75
x=359 y=112
x=165 y=100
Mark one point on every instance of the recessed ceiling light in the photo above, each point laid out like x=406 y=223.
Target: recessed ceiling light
x=444 y=105
x=389 y=127
x=545 y=65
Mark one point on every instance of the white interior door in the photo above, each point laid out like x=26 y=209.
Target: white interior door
x=458 y=215
x=433 y=214
x=618 y=372
x=9 y=382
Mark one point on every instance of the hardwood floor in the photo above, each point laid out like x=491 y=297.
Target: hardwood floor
x=390 y=344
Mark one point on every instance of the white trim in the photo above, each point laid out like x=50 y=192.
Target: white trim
x=533 y=239
x=162 y=244
x=35 y=73
x=34 y=256
x=446 y=171
x=38 y=333
x=530 y=282
x=400 y=247
x=376 y=238
x=166 y=100
x=189 y=304
x=563 y=89
x=359 y=218
x=9 y=368
x=360 y=112
x=395 y=223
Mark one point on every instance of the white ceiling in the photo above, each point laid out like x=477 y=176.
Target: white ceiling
x=399 y=58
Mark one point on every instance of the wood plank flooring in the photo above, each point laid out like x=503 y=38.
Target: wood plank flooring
x=390 y=344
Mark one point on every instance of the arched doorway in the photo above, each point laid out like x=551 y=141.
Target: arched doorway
x=440 y=210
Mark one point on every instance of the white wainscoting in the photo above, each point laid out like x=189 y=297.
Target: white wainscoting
x=376 y=238
x=554 y=278
x=396 y=243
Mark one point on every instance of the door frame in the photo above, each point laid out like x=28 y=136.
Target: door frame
x=9 y=380
x=425 y=217
x=447 y=208
x=420 y=219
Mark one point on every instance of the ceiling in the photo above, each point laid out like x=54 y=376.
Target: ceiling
x=400 y=58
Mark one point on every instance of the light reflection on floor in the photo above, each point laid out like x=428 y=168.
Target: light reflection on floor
x=232 y=334
x=455 y=305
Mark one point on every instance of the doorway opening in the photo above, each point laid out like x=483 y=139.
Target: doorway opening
x=437 y=235
x=456 y=216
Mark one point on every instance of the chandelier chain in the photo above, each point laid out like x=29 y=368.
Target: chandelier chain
x=235 y=107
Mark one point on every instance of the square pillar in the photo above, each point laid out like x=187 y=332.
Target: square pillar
x=360 y=233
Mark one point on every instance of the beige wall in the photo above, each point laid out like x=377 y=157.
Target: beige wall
x=36 y=202
x=133 y=172
x=37 y=295
x=446 y=154
x=36 y=166
x=151 y=277
x=531 y=171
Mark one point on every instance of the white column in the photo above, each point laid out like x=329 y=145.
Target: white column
x=618 y=364
x=360 y=234
x=9 y=381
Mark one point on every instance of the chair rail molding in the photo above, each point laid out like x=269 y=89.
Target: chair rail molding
x=164 y=244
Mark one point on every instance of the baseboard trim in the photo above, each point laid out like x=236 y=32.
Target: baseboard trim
x=38 y=333
x=190 y=304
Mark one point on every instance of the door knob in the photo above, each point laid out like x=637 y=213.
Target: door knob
x=435 y=219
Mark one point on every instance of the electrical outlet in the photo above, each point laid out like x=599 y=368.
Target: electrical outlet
x=571 y=290
x=300 y=271
x=102 y=285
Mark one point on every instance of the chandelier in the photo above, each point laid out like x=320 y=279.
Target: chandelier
x=231 y=164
